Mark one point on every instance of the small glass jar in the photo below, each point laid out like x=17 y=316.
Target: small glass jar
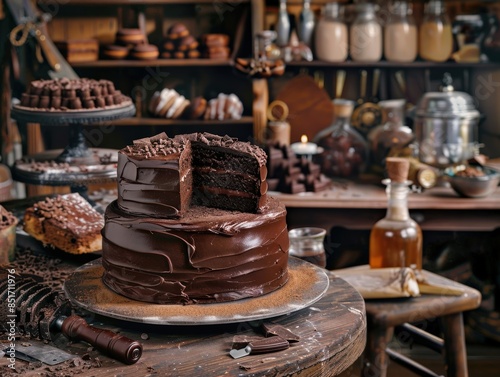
x=331 y=38
x=345 y=151
x=400 y=34
x=308 y=244
x=365 y=34
x=265 y=46
x=436 y=36
x=391 y=133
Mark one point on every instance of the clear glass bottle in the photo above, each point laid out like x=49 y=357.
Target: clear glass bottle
x=436 y=37
x=396 y=240
x=400 y=34
x=345 y=151
x=283 y=25
x=391 y=133
x=365 y=34
x=331 y=36
x=307 y=23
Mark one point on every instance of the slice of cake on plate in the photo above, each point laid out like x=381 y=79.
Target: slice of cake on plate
x=67 y=222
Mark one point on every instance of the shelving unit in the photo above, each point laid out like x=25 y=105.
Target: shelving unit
x=190 y=77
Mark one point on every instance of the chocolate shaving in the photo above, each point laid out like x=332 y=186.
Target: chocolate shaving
x=271 y=344
x=280 y=331
x=241 y=341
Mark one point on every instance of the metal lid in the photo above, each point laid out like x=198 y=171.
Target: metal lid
x=447 y=103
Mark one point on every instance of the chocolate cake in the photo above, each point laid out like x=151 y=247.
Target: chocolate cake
x=162 y=176
x=209 y=255
x=67 y=222
x=75 y=94
x=192 y=223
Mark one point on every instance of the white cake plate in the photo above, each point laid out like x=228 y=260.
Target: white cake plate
x=307 y=283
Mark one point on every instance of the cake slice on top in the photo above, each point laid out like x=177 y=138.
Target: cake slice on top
x=163 y=177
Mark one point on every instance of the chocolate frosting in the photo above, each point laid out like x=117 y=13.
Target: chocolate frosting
x=71 y=212
x=209 y=255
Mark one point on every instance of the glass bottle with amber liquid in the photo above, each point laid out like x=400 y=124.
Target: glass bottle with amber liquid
x=396 y=240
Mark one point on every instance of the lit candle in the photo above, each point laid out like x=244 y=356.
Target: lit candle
x=304 y=147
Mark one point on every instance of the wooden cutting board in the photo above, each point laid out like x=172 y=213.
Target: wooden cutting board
x=310 y=107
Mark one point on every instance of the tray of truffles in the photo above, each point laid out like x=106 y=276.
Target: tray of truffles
x=72 y=101
x=47 y=169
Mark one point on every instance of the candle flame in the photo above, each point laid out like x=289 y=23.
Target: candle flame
x=303 y=139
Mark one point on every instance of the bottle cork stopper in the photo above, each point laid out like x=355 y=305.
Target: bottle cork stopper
x=397 y=168
x=343 y=108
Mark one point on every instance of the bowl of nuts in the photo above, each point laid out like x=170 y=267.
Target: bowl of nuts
x=472 y=181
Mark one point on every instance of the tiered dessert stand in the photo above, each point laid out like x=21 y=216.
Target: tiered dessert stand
x=77 y=165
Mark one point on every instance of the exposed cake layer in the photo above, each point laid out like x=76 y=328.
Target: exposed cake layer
x=158 y=175
x=67 y=222
x=209 y=255
x=228 y=178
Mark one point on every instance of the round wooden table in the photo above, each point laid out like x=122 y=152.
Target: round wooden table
x=332 y=335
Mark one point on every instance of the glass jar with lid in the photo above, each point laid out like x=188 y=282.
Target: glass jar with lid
x=265 y=46
x=436 y=37
x=400 y=34
x=345 y=151
x=365 y=34
x=331 y=36
x=391 y=133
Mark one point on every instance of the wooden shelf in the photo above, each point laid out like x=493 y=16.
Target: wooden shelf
x=125 y=63
x=386 y=64
x=137 y=2
x=359 y=206
x=137 y=122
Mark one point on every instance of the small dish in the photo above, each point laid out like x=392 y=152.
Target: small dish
x=473 y=186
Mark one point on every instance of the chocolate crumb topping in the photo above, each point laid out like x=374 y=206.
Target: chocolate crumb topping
x=75 y=94
x=70 y=211
x=6 y=218
x=162 y=145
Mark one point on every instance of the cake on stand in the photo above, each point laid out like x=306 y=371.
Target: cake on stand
x=77 y=165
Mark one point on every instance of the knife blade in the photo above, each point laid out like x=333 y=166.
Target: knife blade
x=264 y=345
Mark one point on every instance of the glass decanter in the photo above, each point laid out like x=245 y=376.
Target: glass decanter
x=391 y=133
x=345 y=151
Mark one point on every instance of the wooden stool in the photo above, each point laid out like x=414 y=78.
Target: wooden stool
x=384 y=315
